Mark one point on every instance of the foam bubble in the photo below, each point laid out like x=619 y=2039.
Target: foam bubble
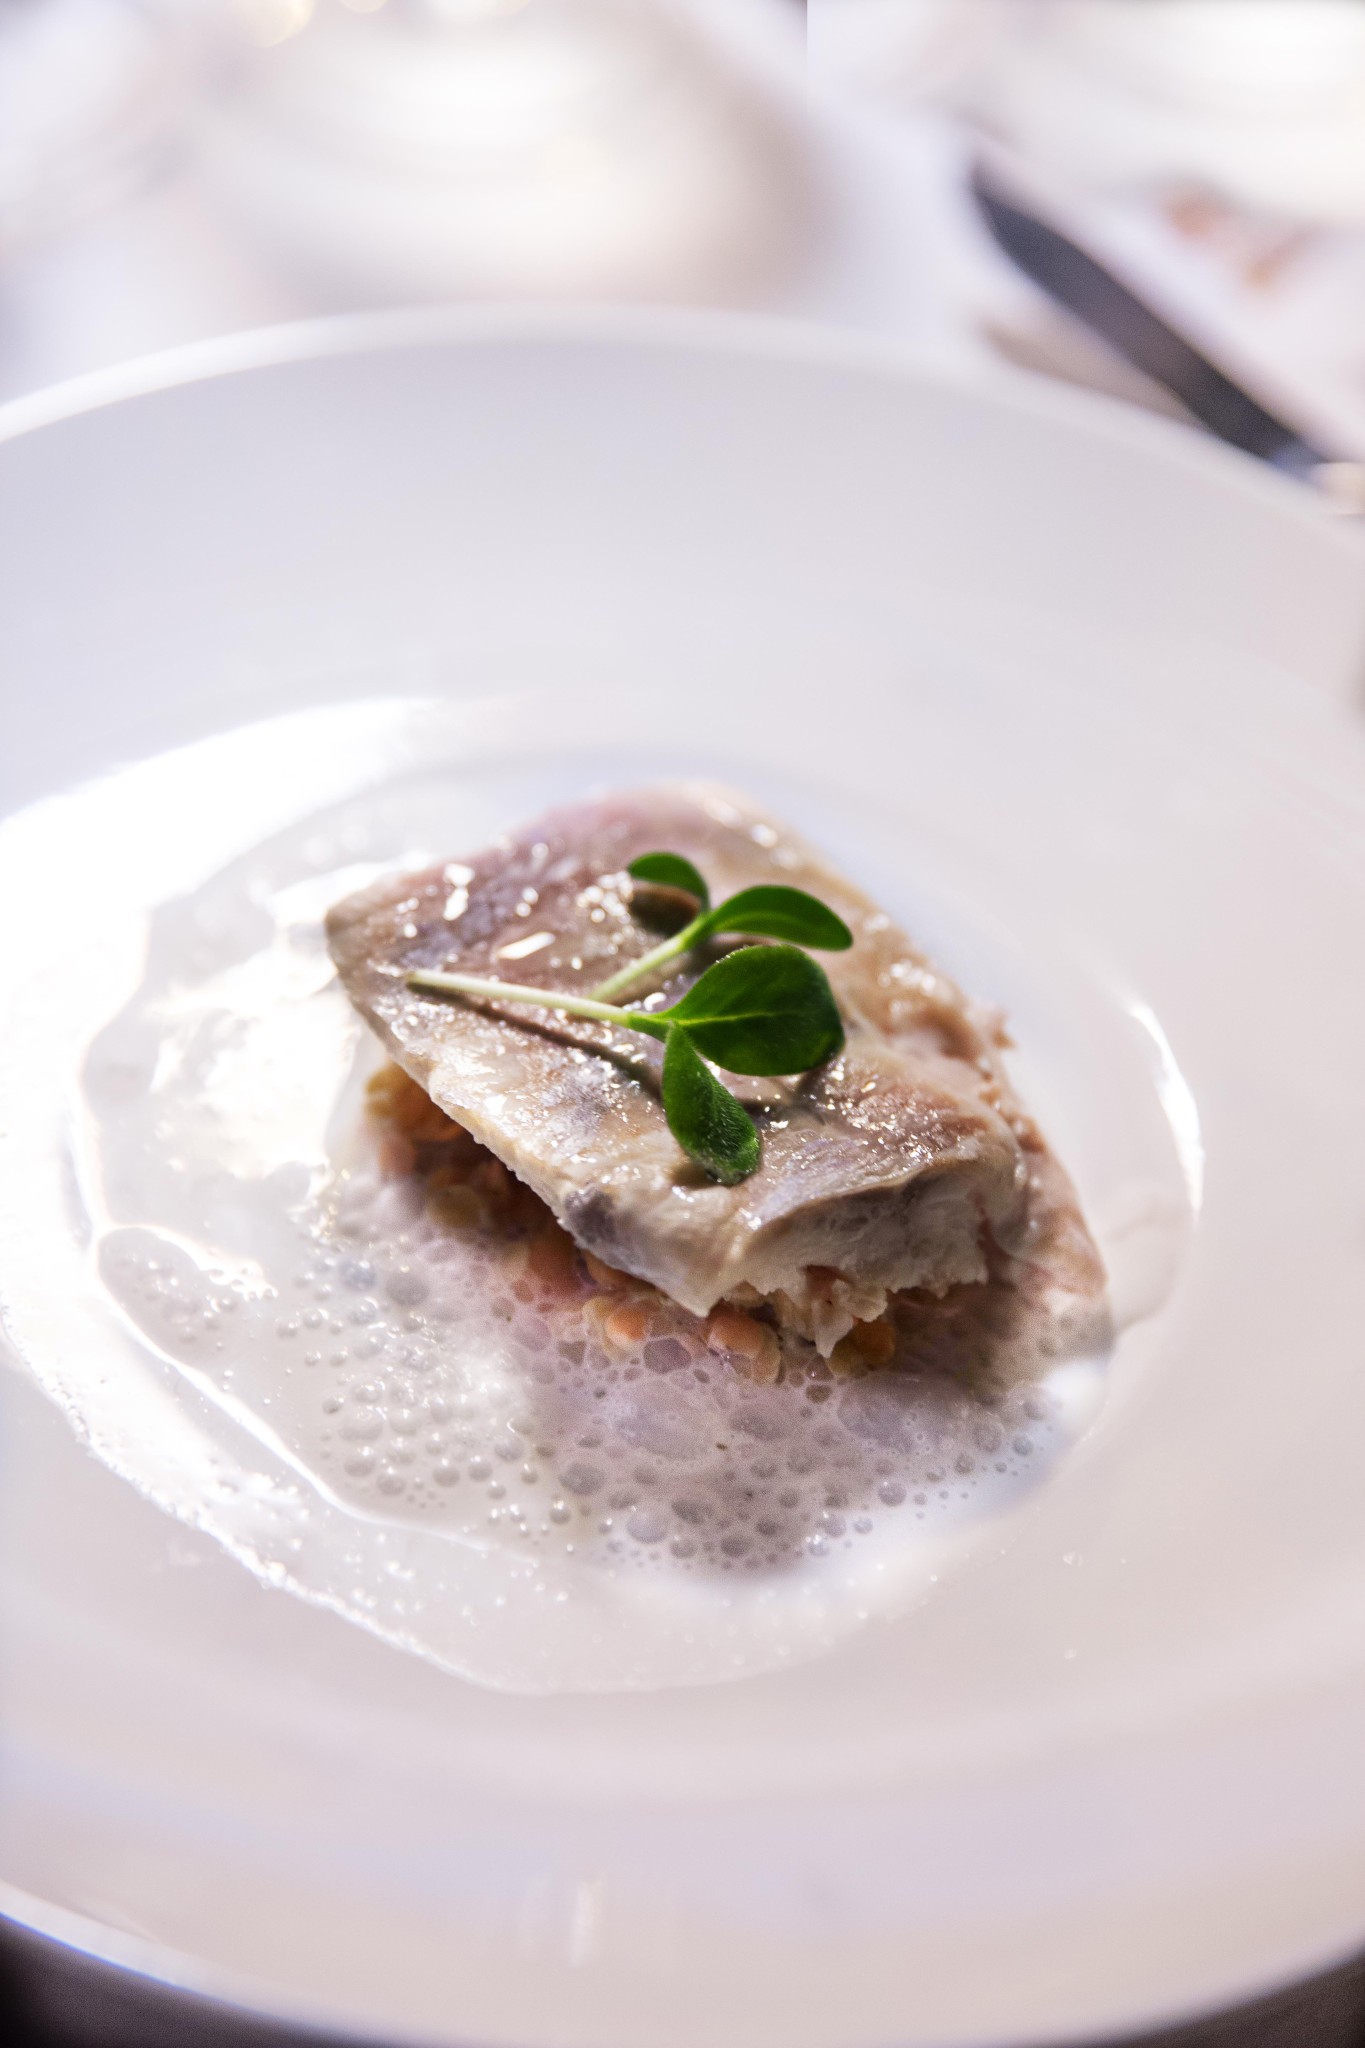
x=653 y=1455
x=424 y=1376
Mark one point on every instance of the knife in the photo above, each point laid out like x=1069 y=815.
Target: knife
x=1130 y=326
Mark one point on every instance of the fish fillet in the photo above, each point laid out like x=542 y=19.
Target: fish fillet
x=906 y=1162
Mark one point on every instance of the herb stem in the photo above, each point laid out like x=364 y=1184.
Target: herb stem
x=761 y=1010
x=649 y=963
x=430 y=980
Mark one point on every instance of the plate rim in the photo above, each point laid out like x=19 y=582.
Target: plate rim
x=58 y=1932
x=821 y=345
x=703 y=330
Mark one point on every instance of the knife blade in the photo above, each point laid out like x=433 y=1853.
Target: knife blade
x=1072 y=277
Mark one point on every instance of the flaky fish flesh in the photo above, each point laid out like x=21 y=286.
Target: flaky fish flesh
x=905 y=1162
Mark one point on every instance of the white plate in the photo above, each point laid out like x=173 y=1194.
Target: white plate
x=1072 y=688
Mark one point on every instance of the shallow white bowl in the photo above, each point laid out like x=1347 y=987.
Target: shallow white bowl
x=1101 y=674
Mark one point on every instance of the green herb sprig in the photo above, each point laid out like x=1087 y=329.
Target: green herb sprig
x=760 y=1010
x=767 y=911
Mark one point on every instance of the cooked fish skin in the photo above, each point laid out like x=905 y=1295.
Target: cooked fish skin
x=888 y=1168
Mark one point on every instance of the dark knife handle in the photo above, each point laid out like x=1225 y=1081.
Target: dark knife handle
x=1089 y=291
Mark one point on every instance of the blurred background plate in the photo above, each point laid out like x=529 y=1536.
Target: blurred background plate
x=1118 y=1755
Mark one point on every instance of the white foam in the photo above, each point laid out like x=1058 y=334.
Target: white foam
x=418 y=1374
x=377 y=1413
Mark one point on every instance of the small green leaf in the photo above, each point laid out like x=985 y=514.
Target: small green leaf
x=762 y=1010
x=769 y=911
x=704 y=1116
x=773 y=912
x=673 y=872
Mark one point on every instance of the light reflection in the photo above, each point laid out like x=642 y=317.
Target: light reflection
x=522 y=949
x=467 y=11
x=402 y=149
x=1178 y=1101
x=1260 y=100
x=1255 y=56
x=268 y=22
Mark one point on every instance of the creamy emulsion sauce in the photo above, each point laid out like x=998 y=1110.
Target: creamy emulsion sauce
x=539 y=1476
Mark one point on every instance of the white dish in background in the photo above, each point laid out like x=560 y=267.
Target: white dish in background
x=1105 y=1769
